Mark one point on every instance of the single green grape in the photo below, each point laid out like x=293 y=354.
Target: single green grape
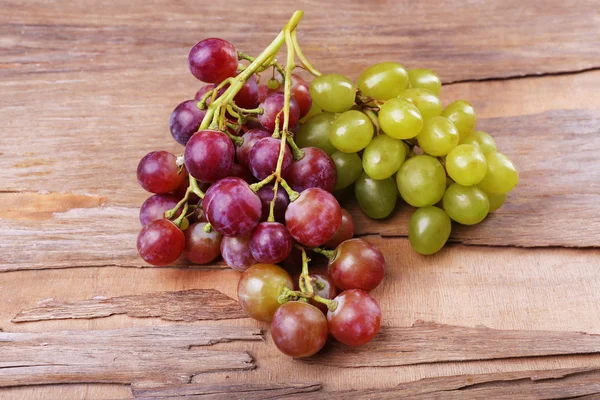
x=466 y=164
x=467 y=205
x=502 y=175
x=428 y=230
x=333 y=92
x=462 y=115
x=383 y=81
x=351 y=132
x=314 y=110
x=427 y=102
x=349 y=168
x=400 y=119
x=421 y=181
x=315 y=132
x=423 y=78
x=483 y=140
x=377 y=198
x=383 y=157
x=438 y=136
x=496 y=200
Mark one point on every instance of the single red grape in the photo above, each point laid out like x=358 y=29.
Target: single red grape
x=357 y=318
x=158 y=173
x=259 y=288
x=263 y=92
x=160 y=242
x=327 y=290
x=266 y=195
x=315 y=169
x=357 y=264
x=300 y=93
x=247 y=97
x=241 y=172
x=272 y=107
x=263 y=157
x=252 y=136
x=236 y=252
x=299 y=329
x=271 y=242
x=209 y=155
x=201 y=247
x=155 y=207
x=345 y=232
x=185 y=121
x=202 y=91
x=213 y=60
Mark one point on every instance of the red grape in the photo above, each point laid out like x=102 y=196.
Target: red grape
x=328 y=290
x=231 y=207
x=263 y=157
x=213 y=60
x=266 y=195
x=209 y=155
x=315 y=169
x=202 y=91
x=160 y=242
x=155 y=207
x=236 y=252
x=241 y=172
x=299 y=329
x=201 y=247
x=272 y=107
x=357 y=318
x=185 y=121
x=259 y=288
x=271 y=243
x=247 y=97
x=314 y=217
x=345 y=232
x=250 y=137
x=300 y=93
x=263 y=92
x=357 y=264
x=157 y=172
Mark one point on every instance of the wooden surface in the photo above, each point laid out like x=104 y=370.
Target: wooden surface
x=87 y=89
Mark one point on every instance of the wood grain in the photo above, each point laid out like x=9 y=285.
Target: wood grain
x=185 y=305
x=151 y=354
x=232 y=391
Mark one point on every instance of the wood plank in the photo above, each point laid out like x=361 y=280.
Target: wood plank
x=185 y=305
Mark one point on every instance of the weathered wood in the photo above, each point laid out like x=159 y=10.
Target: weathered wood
x=232 y=391
x=186 y=305
x=153 y=354
x=429 y=342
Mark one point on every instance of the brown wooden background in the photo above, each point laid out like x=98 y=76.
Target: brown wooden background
x=86 y=89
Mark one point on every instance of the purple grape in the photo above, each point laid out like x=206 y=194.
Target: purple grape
x=236 y=252
x=209 y=155
x=247 y=97
x=157 y=172
x=241 y=172
x=272 y=106
x=160 y=242
x=155 y=207
x=250 y=137
x=213 y=60
x=315 y=169
x=266 y=195
x=201 y=247
x=263 y=157
x=185 y=121
x=271 y=242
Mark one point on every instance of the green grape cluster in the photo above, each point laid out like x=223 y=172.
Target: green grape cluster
x=390 y=136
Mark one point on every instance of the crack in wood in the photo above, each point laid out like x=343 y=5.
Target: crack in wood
x=524 y=76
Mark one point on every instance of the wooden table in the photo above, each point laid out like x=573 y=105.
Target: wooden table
x=509 y=310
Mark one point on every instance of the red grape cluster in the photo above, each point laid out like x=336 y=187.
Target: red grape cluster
x=243 y=189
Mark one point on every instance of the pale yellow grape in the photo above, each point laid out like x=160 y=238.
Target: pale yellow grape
x=383 y=157
x=496 y=200
x=400 y=119
x=383 y=81
x=466 y=164
x=467 y=205
x=421 y=181
x=438 y=136
x=483 y=140
x=502 y=175
x=352 y=131
x=424 y=78
x=427 y=102
x=462 y=115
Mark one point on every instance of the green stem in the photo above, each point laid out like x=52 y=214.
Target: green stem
x=296 y=152
x=304 y=276
x=373 y=117
x=305 y=63
x=180 y=219
x=292 y=194
x=208 y=228
x=331 y=304
x=192 y=188
x=327 y=253
x=256 y=186
x=202 y=103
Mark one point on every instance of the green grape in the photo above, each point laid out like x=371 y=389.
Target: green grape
x=428 y=230
x=383 y=157
x=502 y=175
x=438 y=136
x=383 y=81
x=351 y=132
x=466 y=164
x=400 y=119
x=483 y=140
x=314 y=110
x=467 y=205
x=421 y=181
x=377 y=198
x=424 y=78
x=427 y=102
x=462 y=115
x=496 y=200
x=349 y=168
x=333 y=92
x=315 y=132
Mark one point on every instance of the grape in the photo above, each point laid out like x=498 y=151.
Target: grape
x=263 y=157
x=351 y=132
x=348 y=167
x=357 y=318
x=259 y=288
x=315 y=133
x=300 y=92
x=209 y=155
x=314 y=217
x=270 y=243
x=327 y=291
x=502 y=175
x=315 y=169
x=241 y=172
x=424 y=78
x=236 y=252
x=185 y=121
x=383 y=81
x=427 y=102
x=201 y=247
x=273 y=109
x=250 y=137
x=155 y=207
x=231 y=207
x=467 y=205
x=428 y=230
x=377 y=198
x=462 y=115
x=496 y=200
x=314 y=110
x=299 y=329
x=421 y=181
x=263 y=92
x=383 y=157
x=357 y=264
x=247 y=97
x=202 y=91
x=157 y=172
x=466 y=164
x=266 y=195
x=213 y=60
x=483 y=140
x=438 y=136
x=344 y=232
x=293 y=263
x=333 y=92
x=160 y=242
x=400 y=119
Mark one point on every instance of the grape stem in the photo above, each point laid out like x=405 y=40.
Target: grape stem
x=305 y=63
x=304 y=276
x=330 y=254
x=274 y=63
x=192 y=188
